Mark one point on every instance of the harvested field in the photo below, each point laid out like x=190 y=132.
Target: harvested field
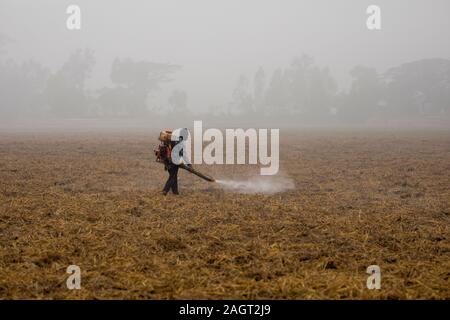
x=93 y=200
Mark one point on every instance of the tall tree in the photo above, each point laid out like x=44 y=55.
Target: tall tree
x=66 y=88
x=242 y=100
x=277 y=98
x=364 y=96
x=178 y=102
x=419 y=87
x=134 y=81
x=259 y=86
x=311 y=88
x=21 y=85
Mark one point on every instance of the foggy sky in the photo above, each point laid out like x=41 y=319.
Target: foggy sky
x=216 y=41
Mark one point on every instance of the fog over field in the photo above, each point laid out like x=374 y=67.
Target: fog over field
x=317 y=164
x=303 y=61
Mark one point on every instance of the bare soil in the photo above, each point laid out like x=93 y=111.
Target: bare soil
x=93 y=200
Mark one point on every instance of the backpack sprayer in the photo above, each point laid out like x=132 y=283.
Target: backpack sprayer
x=163 y=155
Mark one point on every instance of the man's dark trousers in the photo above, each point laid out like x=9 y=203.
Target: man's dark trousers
x=172 y=182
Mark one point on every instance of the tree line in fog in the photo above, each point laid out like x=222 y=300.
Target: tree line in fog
x=301 y=89
x=418 y=88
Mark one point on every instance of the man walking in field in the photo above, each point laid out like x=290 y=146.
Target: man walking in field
x=163 y=154
x=172 y=181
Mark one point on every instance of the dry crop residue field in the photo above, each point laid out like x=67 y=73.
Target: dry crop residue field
x=93 y=200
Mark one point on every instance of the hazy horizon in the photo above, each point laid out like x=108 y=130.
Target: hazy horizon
x=216 y=41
